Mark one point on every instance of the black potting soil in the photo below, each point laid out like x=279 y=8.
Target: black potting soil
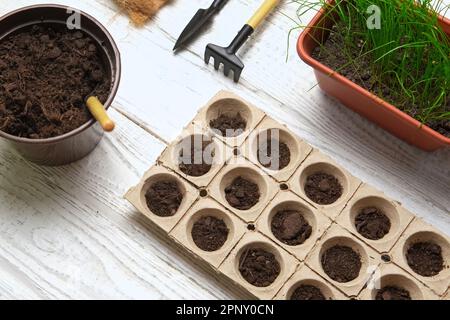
x=198 y=160
x=229 y=125
x=323 y=188
x=209 y=233
x=341 y=263
x=259 y=267
x=164 y=198
x=392 y=293
x=425 y=258
x=290 y=227
x=273 y=154
x=357 y=68
x=46 y=74
x=307 y=292
x=242 y=194
x=372 y=223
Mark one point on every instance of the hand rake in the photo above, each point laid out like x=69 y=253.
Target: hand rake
x=227 y=55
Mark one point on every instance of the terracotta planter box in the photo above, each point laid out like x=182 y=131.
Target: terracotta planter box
x=362 y=101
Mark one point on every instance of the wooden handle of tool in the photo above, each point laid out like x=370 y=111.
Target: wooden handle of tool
x=266 y=8
x=99 y=113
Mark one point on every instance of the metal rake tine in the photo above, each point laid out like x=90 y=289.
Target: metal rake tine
x=217 y=63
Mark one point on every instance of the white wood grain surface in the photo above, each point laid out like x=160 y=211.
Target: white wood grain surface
x=67 y=232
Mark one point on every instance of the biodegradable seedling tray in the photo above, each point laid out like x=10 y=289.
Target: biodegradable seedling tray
x=238 y=237
x=389 y=275
x=305 y=276
x=365 y=197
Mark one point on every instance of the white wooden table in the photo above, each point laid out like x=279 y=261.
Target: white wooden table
x=68 y=233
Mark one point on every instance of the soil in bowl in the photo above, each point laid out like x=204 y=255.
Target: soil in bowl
x=290 y=227
x=259 y=267
x=393 y=293
x=164 y=198
x=210 y=233
x=229 y=125
x=372 y=223
x=197 y=162
x=425 y=258
x=341 y=263
x=242 y=194
x=47 y=72
x=273 y=154
x=307 y=292
x=323 y=188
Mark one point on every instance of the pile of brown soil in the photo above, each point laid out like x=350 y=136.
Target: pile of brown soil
x=341 y=263
x=372 y=223
x=425 y=258
x=197 y=162
x=242 y=194
x=46 y=74
x=209 y=233
x=228 y=125
x=164 y=198
x=307 y=292
x=357 y=68
x=323 y=188
x=276 y=159
x=290 y=227
x=259 y=267
x=392 y=293
x=140 y=11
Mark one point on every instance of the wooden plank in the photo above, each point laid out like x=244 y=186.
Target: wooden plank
x=68 y=233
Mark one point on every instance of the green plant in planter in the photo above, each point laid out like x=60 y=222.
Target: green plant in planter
x=405 y=59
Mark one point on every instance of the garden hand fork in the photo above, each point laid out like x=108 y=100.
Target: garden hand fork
x=227 y=56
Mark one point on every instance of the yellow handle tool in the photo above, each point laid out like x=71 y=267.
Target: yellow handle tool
x=267 y=7
x=227 y=55
x=99 y=113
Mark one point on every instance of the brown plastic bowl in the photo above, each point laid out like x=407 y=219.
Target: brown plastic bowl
x=80 y=142
x=359 y=99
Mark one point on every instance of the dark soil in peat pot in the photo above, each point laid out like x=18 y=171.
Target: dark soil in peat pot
x=307 y=292
x=164 y=198
x=290 y=227
x=357 y=68
x=392 y=293
x=372 y=223
x=259 y=267
x=425 y=258
x=273 y=154
x=210 y=233
x=323 y=188
x=341 y=263
x=46 y=74
x=229 y=125
x=242 y=194
x=198 y=160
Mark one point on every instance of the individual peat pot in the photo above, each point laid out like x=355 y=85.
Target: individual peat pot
x=324 y=184
x=196 y=156
x=243 y=188
x=355 y=271
x=229 y=118
x=162 y=182
x=359 y=99
x=297 y=235
x=282 y=156
x=235 y=262
x=390 y=282
x=374 y=218
x=425 y=253
x=206 y=244
x=78 y=143
x=305 y=278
